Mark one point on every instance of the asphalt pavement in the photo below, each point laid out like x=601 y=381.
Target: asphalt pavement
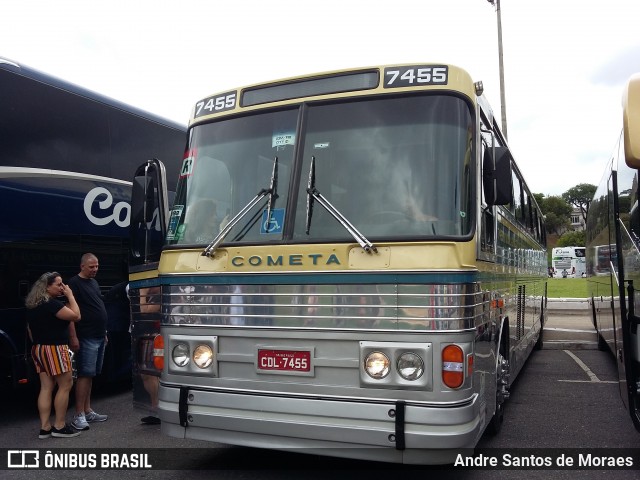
x=569 y=325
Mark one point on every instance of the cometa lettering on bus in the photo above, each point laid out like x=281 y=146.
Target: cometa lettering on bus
x=293 y=260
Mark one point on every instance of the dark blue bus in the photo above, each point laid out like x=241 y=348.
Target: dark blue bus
x=67 y=157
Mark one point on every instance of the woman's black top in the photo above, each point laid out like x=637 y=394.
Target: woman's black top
x=46 y=328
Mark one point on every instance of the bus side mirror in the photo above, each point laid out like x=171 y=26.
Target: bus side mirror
x=142 y=200
x=149 y=213
x=496 y=176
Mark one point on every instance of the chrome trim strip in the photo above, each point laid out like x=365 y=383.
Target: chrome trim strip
x=311 y=396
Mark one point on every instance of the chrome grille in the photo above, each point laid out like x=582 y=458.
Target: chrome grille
x=371 y=307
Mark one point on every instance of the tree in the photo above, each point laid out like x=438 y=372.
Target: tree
x=580 y=197
x=575 y=238
x=540 y=199
x=556 y=212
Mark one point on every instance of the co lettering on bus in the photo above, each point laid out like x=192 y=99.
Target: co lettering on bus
x=117 y=212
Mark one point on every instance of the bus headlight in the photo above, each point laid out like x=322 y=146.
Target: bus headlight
x=377 y=365
x=203 y=356
x=410 y=366
x=180 y=354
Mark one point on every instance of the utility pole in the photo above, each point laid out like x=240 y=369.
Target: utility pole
x=503 y=106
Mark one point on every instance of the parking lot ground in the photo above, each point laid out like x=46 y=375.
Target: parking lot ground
x=569 y=326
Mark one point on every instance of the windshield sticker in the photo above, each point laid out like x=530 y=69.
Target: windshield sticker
x=187 y=166
x=282 y=139
x=275 y=223
x=174 y=218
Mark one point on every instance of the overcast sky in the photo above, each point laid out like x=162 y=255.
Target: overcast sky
x=566 y=61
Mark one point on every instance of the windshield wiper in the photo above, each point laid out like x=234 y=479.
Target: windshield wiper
x=314 y=195
x=271 y=191
x=273 y=188
x=271 y=203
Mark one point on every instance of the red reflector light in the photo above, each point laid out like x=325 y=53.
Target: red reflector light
x=158 y=352
x=452 y=366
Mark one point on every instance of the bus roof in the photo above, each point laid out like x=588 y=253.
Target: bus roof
x=38 y=76
x=363 y=80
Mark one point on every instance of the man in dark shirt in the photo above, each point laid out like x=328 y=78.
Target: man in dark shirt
x=88 y=339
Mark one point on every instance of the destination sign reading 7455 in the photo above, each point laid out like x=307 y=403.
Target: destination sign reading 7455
x=216 y=104
x=415 y=76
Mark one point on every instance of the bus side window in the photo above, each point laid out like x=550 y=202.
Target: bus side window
x=486 y=236
x=487 y=223
x=516 y=206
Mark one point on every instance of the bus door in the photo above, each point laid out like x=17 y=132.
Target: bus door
x=616 y=276
x=630 y=330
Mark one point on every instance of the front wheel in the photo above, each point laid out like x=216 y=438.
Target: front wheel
x=540 y=343
x=602 y=344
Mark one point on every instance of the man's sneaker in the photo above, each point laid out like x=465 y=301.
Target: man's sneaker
x=64 y=432
x=94 y=417
x=80 y=422
x=44 y=433
x=150 y=420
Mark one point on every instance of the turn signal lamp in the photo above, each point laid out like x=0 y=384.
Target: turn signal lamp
x=158 y=352
x=452 y=366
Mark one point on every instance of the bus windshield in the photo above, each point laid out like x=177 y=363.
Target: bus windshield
x=395 y=168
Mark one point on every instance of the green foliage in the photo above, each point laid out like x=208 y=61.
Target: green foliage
x=580 y=197
x=558 y=205
x=556 y=224
x=575 y=238
x=540 y=200
x=557 y=214
x=567 y=288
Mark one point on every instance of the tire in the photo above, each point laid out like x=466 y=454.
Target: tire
x=540 y=342
x=602 y=345
x=502 y=373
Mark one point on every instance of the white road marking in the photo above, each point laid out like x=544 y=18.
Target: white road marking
x=592 y=376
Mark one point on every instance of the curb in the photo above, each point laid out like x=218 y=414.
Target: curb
x=569 y=345
x=568 y=306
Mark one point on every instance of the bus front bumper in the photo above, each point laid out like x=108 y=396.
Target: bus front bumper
x=364 y=429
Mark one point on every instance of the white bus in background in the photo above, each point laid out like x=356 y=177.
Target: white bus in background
x=568 y=262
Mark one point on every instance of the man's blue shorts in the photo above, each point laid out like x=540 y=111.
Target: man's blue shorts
x=90 y=356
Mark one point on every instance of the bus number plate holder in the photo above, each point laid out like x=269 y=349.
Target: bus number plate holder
x=285 y=361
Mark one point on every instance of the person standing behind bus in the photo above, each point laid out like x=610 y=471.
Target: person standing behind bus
x=150 y=304
x=88 y=339
x=48 y=322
